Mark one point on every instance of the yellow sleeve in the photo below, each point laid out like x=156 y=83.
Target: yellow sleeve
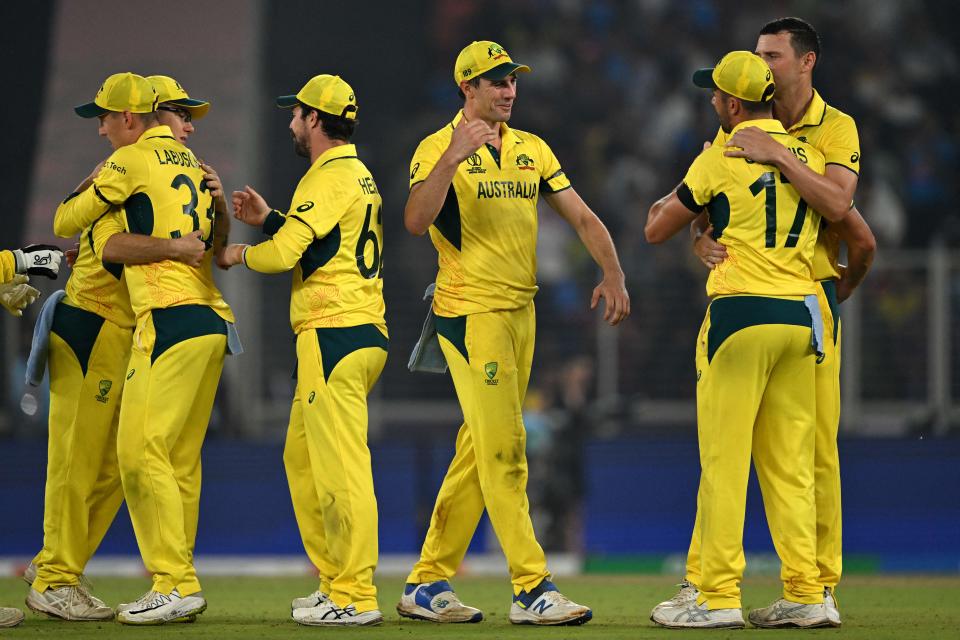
x=281 y=252
x=552 y=177
x=841 y=144
x=103 y=228
x=698 y=180
x=424 y=159
x=720 y=139
x=8 y=266
x=122 y=175
x=320 y=202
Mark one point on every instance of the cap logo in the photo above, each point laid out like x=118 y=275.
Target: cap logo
x=496 y=52
x=768 y=75
x=467 y=73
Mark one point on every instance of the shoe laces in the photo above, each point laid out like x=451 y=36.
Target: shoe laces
x=557 y=598
x=148 y=598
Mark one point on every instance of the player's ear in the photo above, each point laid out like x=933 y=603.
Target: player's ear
x=809 y=60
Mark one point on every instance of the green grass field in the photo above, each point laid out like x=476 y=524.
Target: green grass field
x=872 y=607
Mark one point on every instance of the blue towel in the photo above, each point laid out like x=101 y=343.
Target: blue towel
x=816 y=338
x=40 y=345
x=427 y=355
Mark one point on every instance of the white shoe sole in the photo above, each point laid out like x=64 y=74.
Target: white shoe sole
x=186 y=614
x=343 y=622
x=417 y=612
x=807 y=623
x=719 y=624
x=530 y=619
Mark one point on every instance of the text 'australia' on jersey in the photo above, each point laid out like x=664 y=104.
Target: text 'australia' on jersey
x=834 y=134
x=333 y=238
x=160 y=184
x=769 y=231
x=486 y=231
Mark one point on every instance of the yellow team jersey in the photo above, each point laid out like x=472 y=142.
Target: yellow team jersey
x=486 y=232
x=94 y=285
x=834 y=134
x=768 y=230
x=160 y=185
x=333 y=237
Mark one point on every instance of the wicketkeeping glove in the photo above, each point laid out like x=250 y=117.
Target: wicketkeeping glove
x=17 y=294
x=39 y=260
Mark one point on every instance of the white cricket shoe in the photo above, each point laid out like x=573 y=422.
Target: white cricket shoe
x=688 y=593
x=316 y=599
x=68 y=603
x=10 y=617
x=156 y=608
x=547 y=606
x=330 y=615
x=784 y=613
x=30 y=574
x=830 y=604
x=436 y=602
x=697 y=616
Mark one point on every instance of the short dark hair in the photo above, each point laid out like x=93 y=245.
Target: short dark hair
x=803 y=37
x=147 y=119
x=473 y=82
x=334 y=127
x=753 y=107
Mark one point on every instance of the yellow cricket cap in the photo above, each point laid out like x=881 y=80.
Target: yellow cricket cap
x=742 y=74
x=121 y=92
x=485 y=59
x=169 y=91
x=330 y=94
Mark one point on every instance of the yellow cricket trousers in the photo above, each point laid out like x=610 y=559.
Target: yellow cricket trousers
x=756 y=381
x=88 y=361
x=174 y=370
x=826 y=469
x=490 y=356
x=826 y=455
x=327 y=460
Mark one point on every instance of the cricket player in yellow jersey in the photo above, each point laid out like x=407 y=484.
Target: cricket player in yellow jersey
x=179 y=342
x=332 y=237
x=756 y=354
x=791 y=47
x=89 y=346
x=474 y=185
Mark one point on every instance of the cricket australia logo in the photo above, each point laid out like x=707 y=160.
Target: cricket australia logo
x=525 y=162
x=490 y=369
x=495 y=52
x=475 y=161
x=105 y=386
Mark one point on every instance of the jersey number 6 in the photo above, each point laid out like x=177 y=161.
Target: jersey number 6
x=375 y=270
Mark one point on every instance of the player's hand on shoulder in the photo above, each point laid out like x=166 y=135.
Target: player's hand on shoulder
x=250 y=207
x=188 y=249
x=755 y=144
x=467 y=138
x=710 y=252
x=613 y=290
x=39 y=260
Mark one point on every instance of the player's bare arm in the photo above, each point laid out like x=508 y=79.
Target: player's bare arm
x=829 y=194
x=861 y=248
x=134 y=248
x=666 y=218
x=595 y=237
x=426 y=198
